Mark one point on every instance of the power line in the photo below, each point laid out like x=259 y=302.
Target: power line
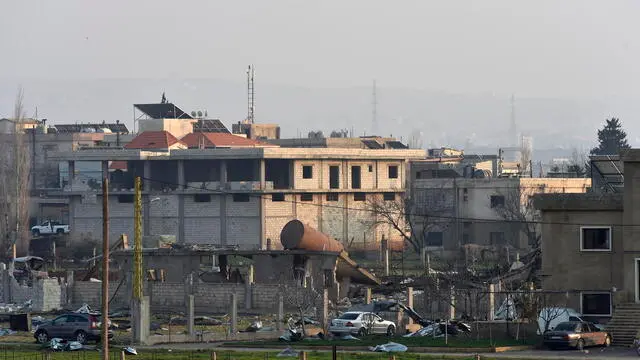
x=397 y=212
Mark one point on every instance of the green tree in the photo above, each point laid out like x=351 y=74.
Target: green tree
x=611 y=139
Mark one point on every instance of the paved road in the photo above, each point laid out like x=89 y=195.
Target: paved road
x=592 y=353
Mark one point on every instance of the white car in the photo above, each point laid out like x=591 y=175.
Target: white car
x=361 y=323
x=49 y=228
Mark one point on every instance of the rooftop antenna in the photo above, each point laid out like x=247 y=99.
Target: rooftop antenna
x=374 y=110
x=513 y=133
x=250 y=95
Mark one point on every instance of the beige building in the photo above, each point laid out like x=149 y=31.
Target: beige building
x=241 y=196
x=484 y=211
x=11 y=126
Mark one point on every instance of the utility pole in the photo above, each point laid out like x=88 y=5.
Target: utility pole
x=105 y=268
x=137 y=256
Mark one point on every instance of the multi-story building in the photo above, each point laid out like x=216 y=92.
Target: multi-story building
x=227 y=190
x=459 y=205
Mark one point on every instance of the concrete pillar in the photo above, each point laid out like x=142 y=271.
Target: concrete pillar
x=367 y=297
x=72 y=172
x=262 y=173
x=325 y=310
x=492 y=303
x=70 y=285
x=191 y=314
x=140 y=315
x=146 y=173
x=234 y=313
x=345 y=284
x=248 y=293
x=181 y=175
x=452 y=305
x=223 y=172
x=410 y=301
x=385 y=255
x=280 y=316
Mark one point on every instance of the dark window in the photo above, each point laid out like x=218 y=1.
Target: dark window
x=434 y=239
x=497 y=201
x=596 y=239
x=332 y=197
x=202 y=198
x=307 y=172
x=277 y=197
x=80 y=319
x=389 y=196
x=334 y=177
x=241 y=198
x=306 y=197
x=370 y=168
x=466 y=225
x=496 y=238
x=127 y=199
x=566 y=326
x=359 y=197
x=393 y=171
x=355 y=177
x=596 y=304
x=533 y=239
x=349 y=316
x=465 y=238
x=418 y=174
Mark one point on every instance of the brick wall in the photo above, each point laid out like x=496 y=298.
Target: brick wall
x=87 y=292
x=45 y=294
x=312 y=183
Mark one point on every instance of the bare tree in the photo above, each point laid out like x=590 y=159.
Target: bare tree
x=414 y=217
x=15 y=174
x=304 y=299
x=415 y=139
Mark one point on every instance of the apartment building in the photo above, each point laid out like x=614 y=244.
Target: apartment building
x=459 y=205
x=227 y=190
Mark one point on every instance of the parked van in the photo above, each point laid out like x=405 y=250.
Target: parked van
x=550 y=317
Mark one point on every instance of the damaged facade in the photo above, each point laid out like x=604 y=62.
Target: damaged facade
x=239 y=195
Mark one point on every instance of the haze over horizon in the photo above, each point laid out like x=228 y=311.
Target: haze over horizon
x=446 y=69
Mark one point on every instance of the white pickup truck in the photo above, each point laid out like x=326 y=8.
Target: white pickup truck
x=49 y=228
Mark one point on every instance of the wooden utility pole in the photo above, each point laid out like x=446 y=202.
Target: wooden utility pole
x=105 y=268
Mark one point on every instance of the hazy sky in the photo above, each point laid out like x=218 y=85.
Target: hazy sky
x=580 y=48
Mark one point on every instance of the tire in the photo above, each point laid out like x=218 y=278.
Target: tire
x=42 y=337
x=35 y=232
x=362 y=332
x=580 y=345
x=607 y=341
x=391 y=331
x=60 y=231
x=81 y=337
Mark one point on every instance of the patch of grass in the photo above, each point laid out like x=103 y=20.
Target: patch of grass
x=458 y=342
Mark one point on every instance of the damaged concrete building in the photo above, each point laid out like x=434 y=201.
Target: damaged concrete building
x=222 y=189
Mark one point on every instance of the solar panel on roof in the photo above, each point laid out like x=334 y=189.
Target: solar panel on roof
x=210 y=125
x=162 y=111
x=396 y=145
x=78 y=128
x=372 y=144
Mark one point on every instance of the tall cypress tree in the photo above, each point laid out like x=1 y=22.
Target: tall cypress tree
x=611 y=139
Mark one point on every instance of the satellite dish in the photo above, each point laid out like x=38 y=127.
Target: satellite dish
x=193 y=113
x=199 y=113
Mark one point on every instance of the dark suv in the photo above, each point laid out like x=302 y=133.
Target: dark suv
x=78 y=327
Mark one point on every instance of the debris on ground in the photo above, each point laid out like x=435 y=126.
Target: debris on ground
x=57 y=344
x=130 y=350
x=348 y=337
x=4 y=332
x=255 y=326
x=288 y=352
x=389 y=347
x=207 y=321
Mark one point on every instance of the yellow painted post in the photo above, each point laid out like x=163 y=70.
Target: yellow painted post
x=137 y=254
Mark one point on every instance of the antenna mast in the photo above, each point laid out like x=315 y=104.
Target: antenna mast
x=250 y=96
x=374 y=110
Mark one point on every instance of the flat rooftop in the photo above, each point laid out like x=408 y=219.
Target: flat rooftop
x=239 y=153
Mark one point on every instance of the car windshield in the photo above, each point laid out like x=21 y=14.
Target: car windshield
x=349 y=316
x=567 y=326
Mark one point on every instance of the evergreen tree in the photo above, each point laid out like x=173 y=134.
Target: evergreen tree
x=611 y=139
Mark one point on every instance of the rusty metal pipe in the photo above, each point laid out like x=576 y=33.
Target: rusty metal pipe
x=296 y=235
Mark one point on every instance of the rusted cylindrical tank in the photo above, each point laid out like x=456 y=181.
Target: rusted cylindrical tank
x=296 y=235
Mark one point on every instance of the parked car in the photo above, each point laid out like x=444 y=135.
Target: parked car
x=361 y=323
x=49 y=228
x=576 y=334
x=78 y=327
